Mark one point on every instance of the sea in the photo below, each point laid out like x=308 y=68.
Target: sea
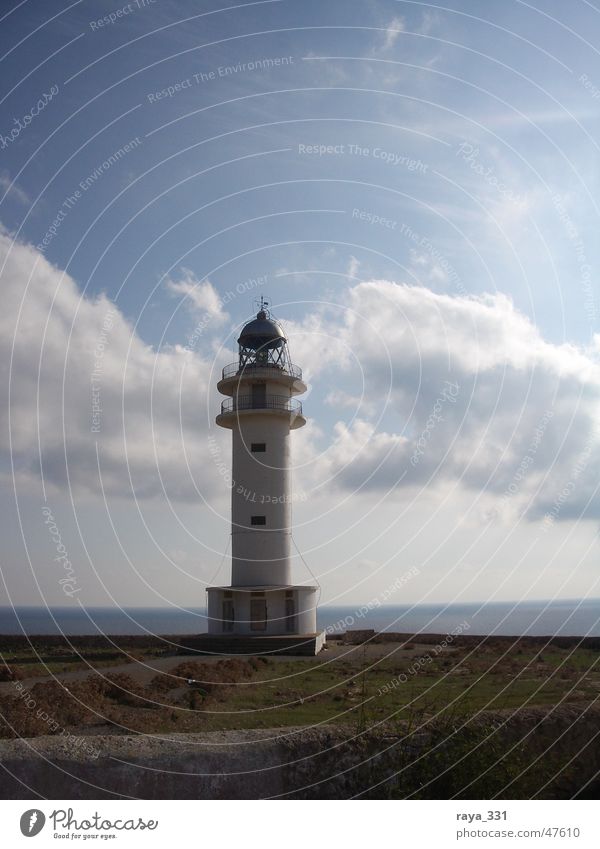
x=574 y=617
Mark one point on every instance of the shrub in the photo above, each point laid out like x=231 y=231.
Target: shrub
x=10 y=673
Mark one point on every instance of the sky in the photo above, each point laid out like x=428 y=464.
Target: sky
x=412 y=186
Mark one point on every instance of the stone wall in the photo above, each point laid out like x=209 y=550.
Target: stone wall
x=324 y=762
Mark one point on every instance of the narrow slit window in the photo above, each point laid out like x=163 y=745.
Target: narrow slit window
x=258 y=520
x=258 y=447
x=228 y=616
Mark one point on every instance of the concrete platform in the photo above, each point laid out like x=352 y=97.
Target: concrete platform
x=294 y=644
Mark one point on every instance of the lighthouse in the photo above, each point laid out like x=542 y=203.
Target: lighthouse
x=262 y=606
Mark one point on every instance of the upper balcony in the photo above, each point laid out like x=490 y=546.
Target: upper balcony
x=287 y=376
x=233 y=369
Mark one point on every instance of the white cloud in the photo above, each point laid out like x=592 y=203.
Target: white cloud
x=340 y=399
x=11 y=188
x=393 y=30
x=73 y=354
x=429 y=22
x=352 y=267
x=201 y=296
x=412 y=345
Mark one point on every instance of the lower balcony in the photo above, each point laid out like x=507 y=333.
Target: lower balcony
x=232 y=408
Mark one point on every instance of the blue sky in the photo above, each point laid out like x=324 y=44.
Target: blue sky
x=414 y=187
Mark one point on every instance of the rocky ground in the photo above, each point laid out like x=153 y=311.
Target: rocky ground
x=405 y=716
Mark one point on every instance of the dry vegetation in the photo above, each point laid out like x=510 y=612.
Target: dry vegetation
x=409 y=690
x=362 y=686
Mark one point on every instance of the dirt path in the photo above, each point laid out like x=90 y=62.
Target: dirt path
x=143 y=671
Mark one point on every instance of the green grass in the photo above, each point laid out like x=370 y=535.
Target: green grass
x=311 y=692
x=355 y=691
x=32 y=666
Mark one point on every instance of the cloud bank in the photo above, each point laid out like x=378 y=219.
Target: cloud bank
x=90 y=405
x=475 y=396
x=421 y=390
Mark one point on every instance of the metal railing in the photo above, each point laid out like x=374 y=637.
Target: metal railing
x=267 y=402
x=234 y=368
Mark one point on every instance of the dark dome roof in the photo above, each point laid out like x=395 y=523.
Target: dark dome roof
x=261 y=333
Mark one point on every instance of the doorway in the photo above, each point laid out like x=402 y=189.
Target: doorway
x=258 y=614
x=259 y=396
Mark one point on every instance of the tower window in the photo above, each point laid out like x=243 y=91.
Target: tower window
x=258 y=520
x=257 y=447
x=290 y=615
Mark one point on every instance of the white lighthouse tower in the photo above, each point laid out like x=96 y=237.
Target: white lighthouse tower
x=262 y=605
